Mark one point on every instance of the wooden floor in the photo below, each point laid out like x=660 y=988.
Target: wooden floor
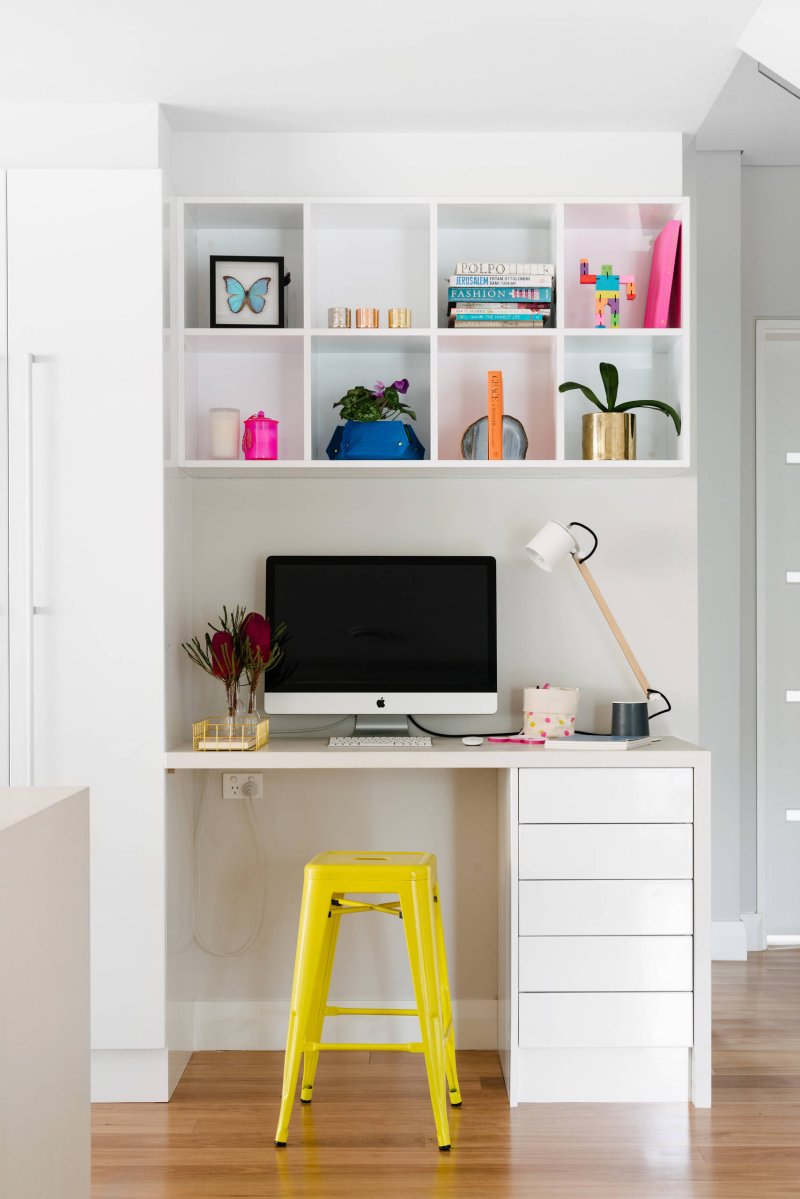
x=370 y=1133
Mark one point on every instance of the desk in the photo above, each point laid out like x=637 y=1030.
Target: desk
x=604 y=981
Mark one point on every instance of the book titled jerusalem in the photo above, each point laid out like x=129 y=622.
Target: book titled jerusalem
x=500 y=281
x=543 y=295
x=505 y=268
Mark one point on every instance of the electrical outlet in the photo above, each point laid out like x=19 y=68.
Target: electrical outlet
x=243 y=784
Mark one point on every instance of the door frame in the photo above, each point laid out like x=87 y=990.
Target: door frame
x=766 y=329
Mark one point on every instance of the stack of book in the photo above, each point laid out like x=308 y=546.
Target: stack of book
x=500 y=295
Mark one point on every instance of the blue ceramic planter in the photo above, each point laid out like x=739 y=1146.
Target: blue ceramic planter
x=381 y=439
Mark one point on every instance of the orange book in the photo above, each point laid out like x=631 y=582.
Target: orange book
x=495 y=415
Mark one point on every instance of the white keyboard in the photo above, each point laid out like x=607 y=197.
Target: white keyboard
x=379 y=743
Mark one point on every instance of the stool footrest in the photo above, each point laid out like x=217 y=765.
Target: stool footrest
x=392 y=1047
x=371 y=1011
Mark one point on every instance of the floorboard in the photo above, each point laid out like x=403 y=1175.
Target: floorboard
x=369 y=1132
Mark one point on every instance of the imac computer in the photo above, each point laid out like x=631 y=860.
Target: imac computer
x=384 y=637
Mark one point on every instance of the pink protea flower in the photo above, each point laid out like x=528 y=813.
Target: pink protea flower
x=223 y=657
x=257 y=636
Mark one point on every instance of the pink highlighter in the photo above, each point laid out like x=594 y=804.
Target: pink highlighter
x=260 y=440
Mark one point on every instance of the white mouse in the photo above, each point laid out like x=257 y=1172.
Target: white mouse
x=472 y=740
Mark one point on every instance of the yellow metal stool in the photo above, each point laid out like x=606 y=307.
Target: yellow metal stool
x=327 y=881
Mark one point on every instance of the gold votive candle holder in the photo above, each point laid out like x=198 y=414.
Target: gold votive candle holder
x=399 y=318
x=338 y=318
x=367 y=318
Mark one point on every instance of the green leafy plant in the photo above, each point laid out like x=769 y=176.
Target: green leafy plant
x=610 y=376
x=381 y=403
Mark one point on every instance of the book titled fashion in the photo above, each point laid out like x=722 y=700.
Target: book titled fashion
x=542 y=294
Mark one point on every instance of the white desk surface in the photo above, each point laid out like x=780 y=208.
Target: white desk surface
x=445 y=754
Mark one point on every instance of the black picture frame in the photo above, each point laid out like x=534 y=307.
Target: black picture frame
x=217 y=320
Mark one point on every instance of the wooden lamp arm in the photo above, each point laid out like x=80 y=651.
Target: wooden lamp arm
x=612 y=624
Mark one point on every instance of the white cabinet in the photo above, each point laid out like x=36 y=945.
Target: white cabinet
x=605 y=904
x=85 y=332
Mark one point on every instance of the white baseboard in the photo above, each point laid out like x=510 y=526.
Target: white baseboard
x=130 y=1076
x=262 y=1024
x=728 y=941
x=755 y=930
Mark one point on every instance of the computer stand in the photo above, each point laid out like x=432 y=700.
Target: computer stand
x=382 y=724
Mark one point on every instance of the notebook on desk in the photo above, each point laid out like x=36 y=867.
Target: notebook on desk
x=597 y=741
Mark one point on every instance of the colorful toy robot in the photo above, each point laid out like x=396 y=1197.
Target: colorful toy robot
x=607 y=292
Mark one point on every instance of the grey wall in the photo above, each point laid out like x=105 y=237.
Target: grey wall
x=715 y=182
x=770 y=207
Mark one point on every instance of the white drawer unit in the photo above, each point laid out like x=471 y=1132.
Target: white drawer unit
x=614 y=851
x=605 y=796
x=605 y=964
x=597 y=908
x=648 y=1020
x=609 y=989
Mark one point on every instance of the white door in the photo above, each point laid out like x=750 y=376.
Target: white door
x=778 y=407
x=86 y=498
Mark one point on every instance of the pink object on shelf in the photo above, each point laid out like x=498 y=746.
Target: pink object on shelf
x=260 y=440
x=663 y=308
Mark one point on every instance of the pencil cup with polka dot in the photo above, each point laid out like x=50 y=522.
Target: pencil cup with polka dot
x=550 y=711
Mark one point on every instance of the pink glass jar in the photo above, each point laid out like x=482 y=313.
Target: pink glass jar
x=260 y=440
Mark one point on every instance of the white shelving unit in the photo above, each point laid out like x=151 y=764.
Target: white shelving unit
x=398 y=253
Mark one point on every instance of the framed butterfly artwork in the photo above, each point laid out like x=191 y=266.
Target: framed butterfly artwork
x=247 y=292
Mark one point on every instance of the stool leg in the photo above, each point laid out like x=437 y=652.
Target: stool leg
x=321 y=988
x=447 y=1007
x=310 y=937
x=418 y=921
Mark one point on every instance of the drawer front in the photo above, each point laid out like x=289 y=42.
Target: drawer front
x=614 y=796
x=558 y=1021
x=605 y=963
x=596 y=909
x=619 y=851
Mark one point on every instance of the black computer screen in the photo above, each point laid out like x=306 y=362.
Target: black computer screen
x=388 y=623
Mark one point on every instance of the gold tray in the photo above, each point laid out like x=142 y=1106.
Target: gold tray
x=216 y=733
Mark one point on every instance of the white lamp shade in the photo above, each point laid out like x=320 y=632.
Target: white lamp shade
x=551 y=545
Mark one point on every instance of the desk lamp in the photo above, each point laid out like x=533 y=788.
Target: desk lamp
x=551 y=545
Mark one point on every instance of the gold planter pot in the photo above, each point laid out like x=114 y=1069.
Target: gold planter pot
x=609 y=436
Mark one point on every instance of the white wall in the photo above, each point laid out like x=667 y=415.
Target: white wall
x=549 y=630
x=436 y=164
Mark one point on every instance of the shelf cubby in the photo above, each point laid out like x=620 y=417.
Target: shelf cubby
x=338 y=363
x=232 y=228
x=248 y=371
x=370 y=255
x=652 y=365
x=620 y=234
x=528 y=363
x=508 y=231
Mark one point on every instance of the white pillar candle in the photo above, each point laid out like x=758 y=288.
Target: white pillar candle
x=225 y=425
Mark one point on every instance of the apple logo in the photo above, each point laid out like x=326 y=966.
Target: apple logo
x=381 y=702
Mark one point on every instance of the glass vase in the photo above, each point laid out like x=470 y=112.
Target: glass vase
x=233 y=710
x=251 y=713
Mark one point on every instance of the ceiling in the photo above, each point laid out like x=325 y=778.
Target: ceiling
x=756 y=116
x=324 y=65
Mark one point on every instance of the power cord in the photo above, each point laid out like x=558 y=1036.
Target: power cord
x=433 y=733
x=258 y=924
